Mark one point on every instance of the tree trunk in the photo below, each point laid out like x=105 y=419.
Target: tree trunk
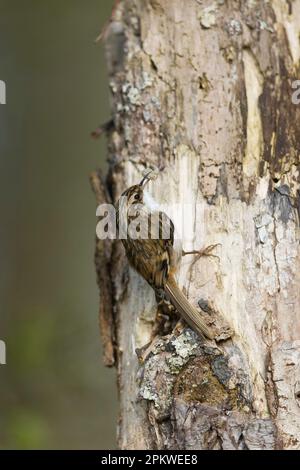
x=204 y=89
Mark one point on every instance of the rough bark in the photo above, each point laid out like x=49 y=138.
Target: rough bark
x=204 y=88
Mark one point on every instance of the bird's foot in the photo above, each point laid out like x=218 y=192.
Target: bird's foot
x=207 y=251
x=161 y=326
x=179 y=327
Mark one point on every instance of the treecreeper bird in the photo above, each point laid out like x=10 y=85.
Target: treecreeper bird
x=156 y=258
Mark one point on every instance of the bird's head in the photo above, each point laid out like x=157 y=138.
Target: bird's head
x=134 y=201
x=135 y=194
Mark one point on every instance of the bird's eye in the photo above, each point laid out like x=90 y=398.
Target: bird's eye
x=137 y=196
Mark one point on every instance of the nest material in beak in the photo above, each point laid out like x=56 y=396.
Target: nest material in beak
x=148 y=176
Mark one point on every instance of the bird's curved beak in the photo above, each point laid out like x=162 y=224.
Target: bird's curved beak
x=145 y=179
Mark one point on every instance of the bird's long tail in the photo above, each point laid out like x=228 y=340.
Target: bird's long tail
x=186 y=310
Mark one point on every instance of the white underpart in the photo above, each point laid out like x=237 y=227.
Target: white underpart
x=150 y=203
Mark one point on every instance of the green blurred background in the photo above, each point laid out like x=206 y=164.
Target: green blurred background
x=54 y=391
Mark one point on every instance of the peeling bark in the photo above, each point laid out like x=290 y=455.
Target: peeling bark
x=204 y=89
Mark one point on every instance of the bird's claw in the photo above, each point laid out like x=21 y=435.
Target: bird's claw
x=207 y=251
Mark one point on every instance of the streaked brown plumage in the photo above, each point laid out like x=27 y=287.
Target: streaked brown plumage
x=156 y=259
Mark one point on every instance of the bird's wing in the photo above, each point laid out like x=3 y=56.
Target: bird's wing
x=153 y=259
x=151 y=255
